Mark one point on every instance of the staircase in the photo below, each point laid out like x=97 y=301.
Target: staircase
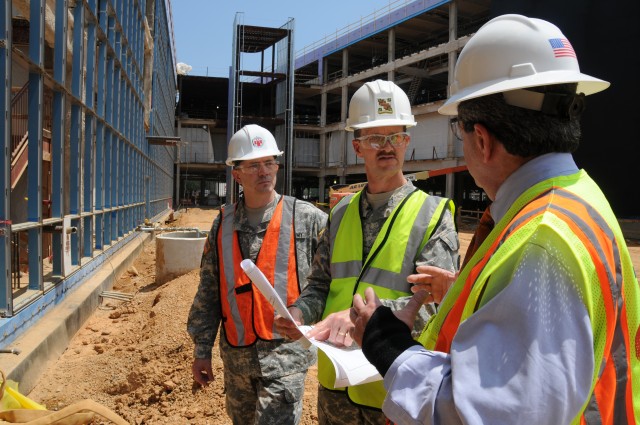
x=20 y=131
x=19 y=164
x=415 y=82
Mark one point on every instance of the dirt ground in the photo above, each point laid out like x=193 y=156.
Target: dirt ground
x=134 y=356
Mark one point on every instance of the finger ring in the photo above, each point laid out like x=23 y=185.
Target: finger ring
x=342 y=333
x=429 y=294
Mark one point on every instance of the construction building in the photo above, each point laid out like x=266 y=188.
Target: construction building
x=415 y=44
x=106 y=146
x=87 y=140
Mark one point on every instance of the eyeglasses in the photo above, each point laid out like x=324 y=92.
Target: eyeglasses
x=456 y=128
x=378 y=141
x=255 y=168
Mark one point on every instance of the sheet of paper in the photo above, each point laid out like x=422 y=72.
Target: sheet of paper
x=350 y=363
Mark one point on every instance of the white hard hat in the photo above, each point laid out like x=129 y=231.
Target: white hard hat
x=379 y=103
x=514 y=52
x=250 y=142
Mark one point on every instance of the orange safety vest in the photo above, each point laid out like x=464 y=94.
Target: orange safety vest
x=246 y=314
x=613 y=295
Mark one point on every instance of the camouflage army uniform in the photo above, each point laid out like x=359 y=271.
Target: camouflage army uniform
x=276 y=368
x=441 y=250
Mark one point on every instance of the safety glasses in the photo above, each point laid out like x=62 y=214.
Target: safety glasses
x=255 y=168
x=456 y=128
x=378 y=141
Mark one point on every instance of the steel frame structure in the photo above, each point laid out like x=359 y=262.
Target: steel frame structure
x=105 y=177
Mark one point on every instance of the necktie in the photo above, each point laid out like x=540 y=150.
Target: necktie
x=482 y=231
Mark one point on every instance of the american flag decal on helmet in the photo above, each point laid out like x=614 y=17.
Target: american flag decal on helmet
x=562 y=48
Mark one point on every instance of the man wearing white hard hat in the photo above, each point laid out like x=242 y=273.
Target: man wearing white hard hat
x=263 y=374
x=380 y=237
x=542 y=324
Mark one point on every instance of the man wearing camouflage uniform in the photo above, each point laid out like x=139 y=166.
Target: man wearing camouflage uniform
x=263 y=374
x=375 y=238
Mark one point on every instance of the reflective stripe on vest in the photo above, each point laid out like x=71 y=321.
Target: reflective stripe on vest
x=391 y=259
x=613 y=294
x=246 y=314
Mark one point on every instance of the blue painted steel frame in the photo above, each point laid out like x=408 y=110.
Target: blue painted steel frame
x=89 y=136
x=75 y=143
x=6 y=306
x=76 y=108
x=115 y=179
x=58 y=130
x=100 y=131
x=34 y=174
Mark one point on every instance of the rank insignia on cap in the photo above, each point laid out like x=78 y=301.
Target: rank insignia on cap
x=385 y=106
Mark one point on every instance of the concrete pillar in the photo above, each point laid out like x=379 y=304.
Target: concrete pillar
x=391 y=53
x=321 y=186
x=178 y=161
x=343 y=114
x=450 y=185
x=453 y=56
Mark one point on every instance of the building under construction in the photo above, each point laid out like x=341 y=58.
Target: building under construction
x=94 y=143
x=88 y=92
x=413 y=43
x=305 y=103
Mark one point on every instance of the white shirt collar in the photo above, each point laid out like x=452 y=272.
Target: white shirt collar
x=529 y=174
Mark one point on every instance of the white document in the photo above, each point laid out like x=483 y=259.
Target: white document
x=350 y=364
x=260 y=281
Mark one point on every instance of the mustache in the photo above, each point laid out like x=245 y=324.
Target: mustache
x=386 y=153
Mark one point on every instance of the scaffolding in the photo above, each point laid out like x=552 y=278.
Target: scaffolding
x=271 y=84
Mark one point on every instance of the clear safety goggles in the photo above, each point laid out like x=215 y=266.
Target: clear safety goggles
x=378 y=141
x=255 y=168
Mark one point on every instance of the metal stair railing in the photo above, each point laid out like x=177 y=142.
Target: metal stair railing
x=20 y=128
x=19 y=118
x=415 y=83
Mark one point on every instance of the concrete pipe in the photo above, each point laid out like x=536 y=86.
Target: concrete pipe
x=178 y=253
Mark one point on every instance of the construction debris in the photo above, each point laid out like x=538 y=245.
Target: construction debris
x=117 y=295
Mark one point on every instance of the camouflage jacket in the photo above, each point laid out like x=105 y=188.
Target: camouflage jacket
x=440 y=251
x=275 y=358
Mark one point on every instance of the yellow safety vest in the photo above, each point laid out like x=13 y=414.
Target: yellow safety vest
x=582 y=219
x=391 y=259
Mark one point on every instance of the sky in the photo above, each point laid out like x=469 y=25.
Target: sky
x=203 y=29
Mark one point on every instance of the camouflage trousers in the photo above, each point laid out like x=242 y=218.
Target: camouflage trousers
x=335 y=408
x=261 y=401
